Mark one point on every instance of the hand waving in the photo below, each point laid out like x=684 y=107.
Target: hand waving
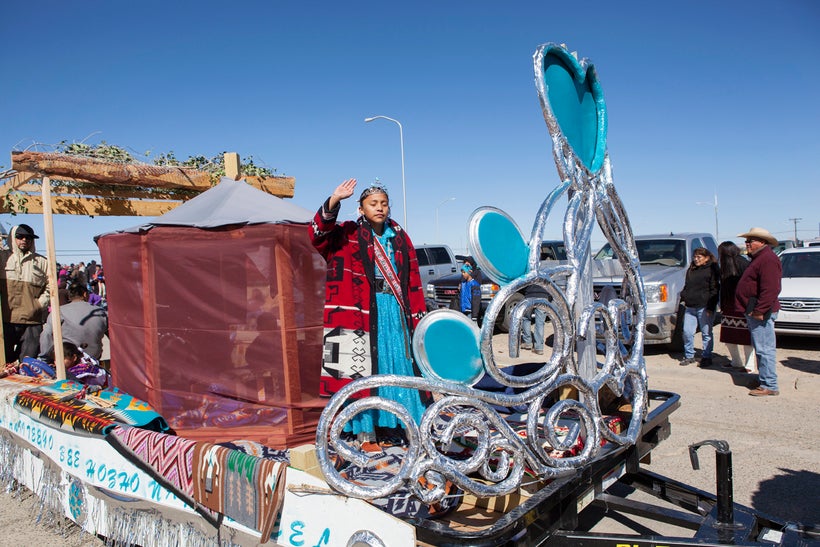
x=343 y=191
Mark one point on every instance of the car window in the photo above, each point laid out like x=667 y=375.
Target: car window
x=553 y=251
x=422 y=256
x=605 y=253
x=801 y=264
x=665 y=252
x=439 y=255
x=710 y=244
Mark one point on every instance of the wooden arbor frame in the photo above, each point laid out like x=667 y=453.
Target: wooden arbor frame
x=93 y=187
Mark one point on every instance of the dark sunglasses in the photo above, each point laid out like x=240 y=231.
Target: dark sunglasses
x=23 y=237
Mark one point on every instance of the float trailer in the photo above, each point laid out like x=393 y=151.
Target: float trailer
x=551 y=516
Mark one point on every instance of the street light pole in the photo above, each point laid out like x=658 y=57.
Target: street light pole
x=438 y=237
x=401 y=141
x=715 y=204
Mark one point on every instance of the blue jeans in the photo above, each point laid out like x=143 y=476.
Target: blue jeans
x=764 y=342
x=693 y=318
x=526 y=331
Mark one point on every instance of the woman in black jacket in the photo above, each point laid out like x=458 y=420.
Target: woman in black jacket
x=700 y=295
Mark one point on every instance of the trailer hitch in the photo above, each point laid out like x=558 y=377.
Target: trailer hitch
x=723 y=470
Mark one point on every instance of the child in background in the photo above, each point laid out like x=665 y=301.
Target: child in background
x=469 y=293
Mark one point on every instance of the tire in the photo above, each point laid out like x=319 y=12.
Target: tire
x=677 y=335
x=503 y=322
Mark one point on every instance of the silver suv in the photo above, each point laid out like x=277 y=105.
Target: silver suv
x=435 y=261
x=664 y=260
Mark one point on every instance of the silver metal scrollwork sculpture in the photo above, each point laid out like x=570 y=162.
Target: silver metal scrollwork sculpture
x=454 y=354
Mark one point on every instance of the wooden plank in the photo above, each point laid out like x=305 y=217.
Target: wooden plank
x=20 y=178
x=231 y=160
x=97 y=207
x=104 y=172
x=98 y=190
x=282 y=187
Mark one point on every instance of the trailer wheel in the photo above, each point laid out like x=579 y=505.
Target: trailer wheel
x=677 y=335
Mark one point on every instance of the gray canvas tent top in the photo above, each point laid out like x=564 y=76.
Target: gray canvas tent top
x=229 y=203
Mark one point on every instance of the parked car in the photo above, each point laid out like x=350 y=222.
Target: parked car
x=782 y=245
x=442 y=291
x=435 y=261
x=664 y=260
x=800 y=292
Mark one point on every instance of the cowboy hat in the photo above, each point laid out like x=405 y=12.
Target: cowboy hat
x=760 y=233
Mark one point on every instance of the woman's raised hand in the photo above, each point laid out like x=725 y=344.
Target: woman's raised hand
x=343 y=191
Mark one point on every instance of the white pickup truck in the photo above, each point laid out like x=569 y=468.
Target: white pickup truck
x=664 y=260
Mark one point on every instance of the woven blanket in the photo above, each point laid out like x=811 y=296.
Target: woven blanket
x=384 y=466
x=258 y=449
x=57 y=405
x=248 y=489
x=169 y=457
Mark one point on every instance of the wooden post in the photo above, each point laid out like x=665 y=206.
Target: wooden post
x=51 y=255
x=232 y=165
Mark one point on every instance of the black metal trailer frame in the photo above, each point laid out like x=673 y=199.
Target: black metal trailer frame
x=551 y=516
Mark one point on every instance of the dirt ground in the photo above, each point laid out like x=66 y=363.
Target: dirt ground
x=776 y=461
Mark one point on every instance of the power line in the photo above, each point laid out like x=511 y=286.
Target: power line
x=795 y=228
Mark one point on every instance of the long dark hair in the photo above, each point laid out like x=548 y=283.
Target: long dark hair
x=730 y=260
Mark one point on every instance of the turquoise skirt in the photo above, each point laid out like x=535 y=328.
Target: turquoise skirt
x=393 y=345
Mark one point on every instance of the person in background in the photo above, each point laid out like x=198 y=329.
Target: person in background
x=756 y=294
x=734 y=332
x=90 y=271
x=82 y=323
x=530 y=340
x=469 y=294
x=700 y=295
x=24 y=294
x=476 y=273
x=373 y=302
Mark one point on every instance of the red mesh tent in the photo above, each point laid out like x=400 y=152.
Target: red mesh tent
x=215 y=316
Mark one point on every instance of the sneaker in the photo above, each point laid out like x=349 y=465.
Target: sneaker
x=526 y=346
x=705 y=362
x=762 y=392
x=538 y=351
x=688 y=361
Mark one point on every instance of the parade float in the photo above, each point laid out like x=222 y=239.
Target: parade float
x=201 y=443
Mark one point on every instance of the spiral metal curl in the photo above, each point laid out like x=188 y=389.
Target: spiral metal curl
x=501 y=455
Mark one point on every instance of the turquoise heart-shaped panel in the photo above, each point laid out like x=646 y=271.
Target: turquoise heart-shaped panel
x=577 y=102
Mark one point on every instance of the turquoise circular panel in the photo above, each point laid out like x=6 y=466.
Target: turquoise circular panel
x=446 y=347
x=501 y=244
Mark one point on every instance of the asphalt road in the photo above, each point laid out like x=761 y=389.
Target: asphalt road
x=776 y=460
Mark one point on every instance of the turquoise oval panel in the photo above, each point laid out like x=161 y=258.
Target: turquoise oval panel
x=501 y=246
x=446 y=348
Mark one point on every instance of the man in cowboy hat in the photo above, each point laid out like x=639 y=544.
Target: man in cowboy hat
x=24 y=294
x=757 y=293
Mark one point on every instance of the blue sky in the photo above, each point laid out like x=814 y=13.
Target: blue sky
x=703 y=98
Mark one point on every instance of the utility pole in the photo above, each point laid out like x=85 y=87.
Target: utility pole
x=795 y=229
